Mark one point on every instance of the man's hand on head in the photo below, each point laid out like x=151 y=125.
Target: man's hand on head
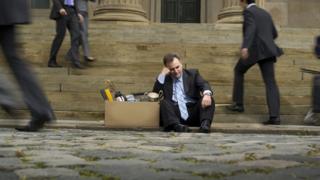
x=165 y=71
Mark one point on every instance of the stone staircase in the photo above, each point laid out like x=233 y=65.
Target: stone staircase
x=130 y=56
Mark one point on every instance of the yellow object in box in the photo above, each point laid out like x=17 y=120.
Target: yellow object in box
x=109 y=95
x=132 y=114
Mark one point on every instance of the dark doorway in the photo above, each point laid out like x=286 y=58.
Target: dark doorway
x=180 y=11
x=40 y=4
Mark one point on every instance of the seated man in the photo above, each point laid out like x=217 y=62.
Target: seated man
x=313 y=116
x=187 y=97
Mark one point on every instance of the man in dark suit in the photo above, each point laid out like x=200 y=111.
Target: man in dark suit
x=187 y=97
x=313 y=116
x=14 y=12
x=258 y=46
x=67 y=16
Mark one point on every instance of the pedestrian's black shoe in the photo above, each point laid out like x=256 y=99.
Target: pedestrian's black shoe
x=272 y=121
x=205 y=126
x=235 y=107
x=53 y=64
x=36 y=123
x=77 y=65
x=181 y=128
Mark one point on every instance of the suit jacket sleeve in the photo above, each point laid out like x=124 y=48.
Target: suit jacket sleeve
x=249 y=29
x=201 y=83
x=57 y=4
x=157 y=87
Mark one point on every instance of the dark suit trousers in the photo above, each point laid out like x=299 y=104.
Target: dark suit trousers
x=316 y=94
x=33 y=96
x=170 y=114
x=267 y=71
x=71 y=23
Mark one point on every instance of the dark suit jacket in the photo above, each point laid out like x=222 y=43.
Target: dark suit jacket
x=192 y=81
x=317 y=47
x=259 y=33
x=59 y=4
x=14 y=12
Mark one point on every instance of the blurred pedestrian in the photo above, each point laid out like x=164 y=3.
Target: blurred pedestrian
x=67 y=16
x=313 y=115
x=14 y=12
x=258 y=47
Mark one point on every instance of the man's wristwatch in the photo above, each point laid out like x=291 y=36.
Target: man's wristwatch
x=208 y=93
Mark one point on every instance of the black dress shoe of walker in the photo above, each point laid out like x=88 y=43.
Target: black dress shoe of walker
x=272 y=121
x=235 y=108
x=205 y=126
x=54 y=65
x=181 y=128
x=35 y=124
x=77 y=65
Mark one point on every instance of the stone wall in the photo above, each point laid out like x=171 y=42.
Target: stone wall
x=295 y=13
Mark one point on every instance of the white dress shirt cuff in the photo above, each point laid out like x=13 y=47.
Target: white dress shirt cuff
x=207 y=92
x=161 y=78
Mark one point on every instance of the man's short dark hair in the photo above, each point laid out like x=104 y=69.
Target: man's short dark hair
x=168 y=58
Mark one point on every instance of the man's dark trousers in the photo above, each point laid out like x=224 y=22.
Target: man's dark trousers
x=316 y=94
x=71 y=22
x=267 y=71
x=32 y=93
x=170 y=114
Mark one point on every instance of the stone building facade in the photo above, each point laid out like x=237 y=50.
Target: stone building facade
x=286 y=13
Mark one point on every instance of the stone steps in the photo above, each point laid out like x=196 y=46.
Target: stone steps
x=130 y=56
x=252 y=114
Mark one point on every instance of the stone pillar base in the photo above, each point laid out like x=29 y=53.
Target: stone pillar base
x=112 y=14
x=124 y=10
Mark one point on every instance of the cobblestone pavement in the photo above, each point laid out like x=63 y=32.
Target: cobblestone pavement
x=87 y=154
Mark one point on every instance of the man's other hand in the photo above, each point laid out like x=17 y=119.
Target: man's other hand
x=206 y=101
x=244 y=53
x=63 y=12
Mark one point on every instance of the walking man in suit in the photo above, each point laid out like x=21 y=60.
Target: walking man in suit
x=258 y=46
x=83 y=7
x=187 y=97
x=67 y=16
x=313 y=115
x=14 y=12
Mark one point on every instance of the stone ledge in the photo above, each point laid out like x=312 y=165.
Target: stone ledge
x=246 y=128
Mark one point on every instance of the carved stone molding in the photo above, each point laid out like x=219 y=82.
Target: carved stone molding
x=231 y=11
x=120 y=10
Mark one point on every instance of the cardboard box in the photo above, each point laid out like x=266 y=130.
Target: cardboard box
x=132 y=114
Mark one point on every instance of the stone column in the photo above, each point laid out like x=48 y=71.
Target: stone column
x=120 y=10
x=231 y=12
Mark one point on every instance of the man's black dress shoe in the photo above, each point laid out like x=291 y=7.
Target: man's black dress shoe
x=36 y=123
x=77 y=65
x=205 y=126
x=235 y=107
x=54 y=65
x=180 y=128
x=272 y=121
